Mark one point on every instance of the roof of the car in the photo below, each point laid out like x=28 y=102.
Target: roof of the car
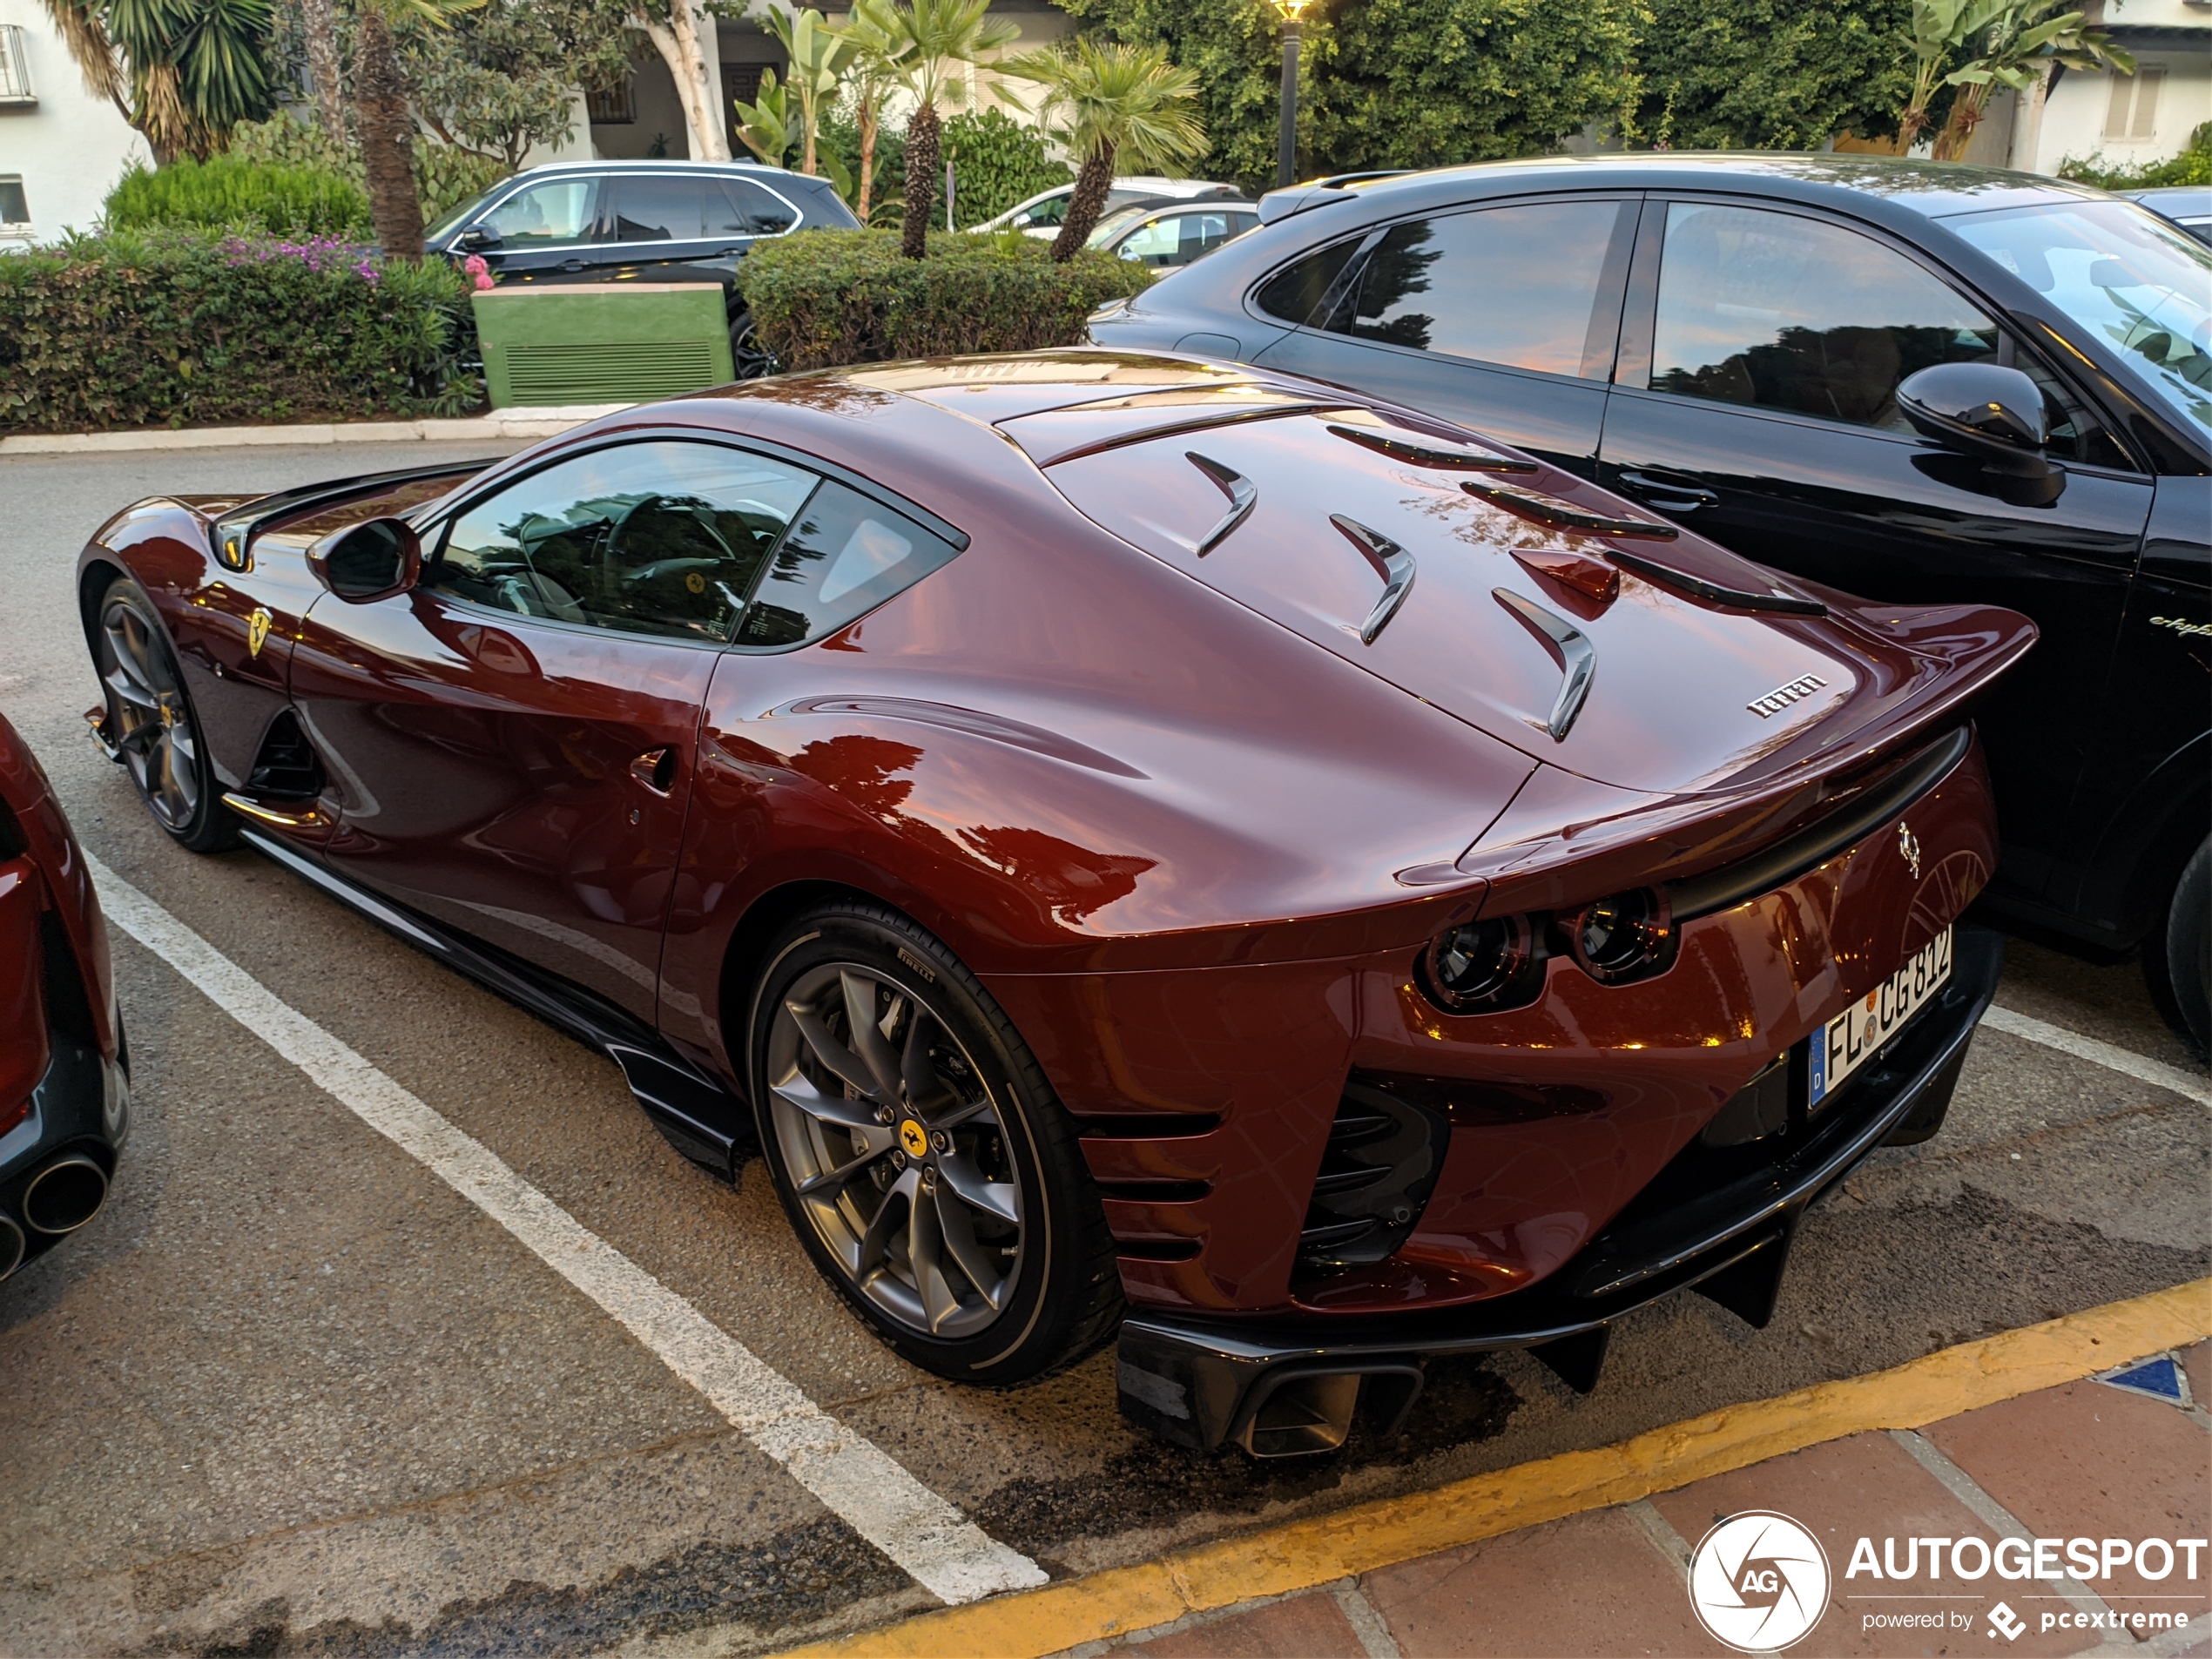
x=1932 y=189
x=674 y=165
x=2175 y=198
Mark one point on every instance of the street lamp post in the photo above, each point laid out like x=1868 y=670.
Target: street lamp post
x=1286 y=131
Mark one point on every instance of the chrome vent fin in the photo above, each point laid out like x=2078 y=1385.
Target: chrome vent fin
x=1577 y=656
x=1243 y=492
x=1392 y=562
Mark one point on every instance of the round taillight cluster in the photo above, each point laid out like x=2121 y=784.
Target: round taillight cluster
x=1497 y=963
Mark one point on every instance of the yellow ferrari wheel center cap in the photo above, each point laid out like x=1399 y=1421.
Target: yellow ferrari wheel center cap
x=913 y=1138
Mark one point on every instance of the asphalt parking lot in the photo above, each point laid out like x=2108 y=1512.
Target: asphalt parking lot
x=293 y=1391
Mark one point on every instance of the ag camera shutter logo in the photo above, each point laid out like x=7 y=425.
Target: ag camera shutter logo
x=1758 y=1582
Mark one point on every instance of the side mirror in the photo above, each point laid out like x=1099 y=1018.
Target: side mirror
x=478 y=236
x=1994 y=414
x=372 y=560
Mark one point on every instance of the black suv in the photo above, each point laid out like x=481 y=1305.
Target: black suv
x=668 y=221
x=1741 y=342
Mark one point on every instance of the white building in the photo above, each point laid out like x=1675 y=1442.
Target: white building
x=2121 y=120
x=61 y=149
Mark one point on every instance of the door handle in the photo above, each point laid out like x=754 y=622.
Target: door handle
x=1679 y=497
x=656 y=769
x=572 y=265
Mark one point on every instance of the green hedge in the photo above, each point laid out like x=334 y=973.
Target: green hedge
x=829 y=297
x=168 y=328
x=228 y=191
x=445 y=174
x=2192 y=167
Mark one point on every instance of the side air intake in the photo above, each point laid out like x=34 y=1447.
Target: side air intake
x=1381 y=1163
x=287 y=768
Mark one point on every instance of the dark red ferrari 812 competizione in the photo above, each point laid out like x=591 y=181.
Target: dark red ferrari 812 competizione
x=1130 y=842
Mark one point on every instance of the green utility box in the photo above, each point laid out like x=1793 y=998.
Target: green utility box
x=602 y=343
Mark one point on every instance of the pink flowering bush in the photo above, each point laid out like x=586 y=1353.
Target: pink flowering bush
x=170 y=327
x=478 y=272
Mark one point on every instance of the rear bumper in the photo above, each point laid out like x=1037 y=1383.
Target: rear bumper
x=80 y=1111
x=1711 y=1222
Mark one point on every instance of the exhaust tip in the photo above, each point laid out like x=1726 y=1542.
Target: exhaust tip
x=11 y=1246
x=65 y=1195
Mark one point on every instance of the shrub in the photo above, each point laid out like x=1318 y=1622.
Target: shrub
x=2192 y=167
x=832 y=297
x=445 y=174
x=165 y=327
x=996 y=163
x=229 y=191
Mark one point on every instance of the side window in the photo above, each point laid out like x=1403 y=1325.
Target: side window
x=1517 y=285
x=1308 y=292
x=2075 y=432
x=742 y=208
x=845 y=555
x=1047 y=215
x=663 y=538
x=556 y=213
x=1157 y=242
x=1782 y=311
x=657 y=210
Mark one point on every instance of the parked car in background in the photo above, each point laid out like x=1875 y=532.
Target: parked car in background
x=2187 y=206
x=1042 y=214
x=64 y=1071
x=1162 y=235
x=660 y=221
x=1117 y=832
x=1727 y=340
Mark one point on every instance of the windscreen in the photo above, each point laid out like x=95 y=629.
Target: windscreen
x=2125 y=275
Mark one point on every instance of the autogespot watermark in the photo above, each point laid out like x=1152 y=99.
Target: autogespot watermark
x=1759 y=1582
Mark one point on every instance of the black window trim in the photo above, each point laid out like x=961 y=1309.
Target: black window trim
x=1640 y=320
x=1347 y=280
x=435 y=521
x=609 y=181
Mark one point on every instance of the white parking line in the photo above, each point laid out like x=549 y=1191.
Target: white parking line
x=2124 y=1061
x=863 y=1487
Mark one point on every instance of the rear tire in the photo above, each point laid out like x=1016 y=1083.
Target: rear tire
x=928 y=1168
x=2178 y=958
x=150 y=718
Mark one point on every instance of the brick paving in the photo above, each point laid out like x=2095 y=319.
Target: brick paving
x=2084 y=1460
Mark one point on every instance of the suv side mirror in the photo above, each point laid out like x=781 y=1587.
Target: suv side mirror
x=478 y=236
x=372 y=560
x=1994 y=414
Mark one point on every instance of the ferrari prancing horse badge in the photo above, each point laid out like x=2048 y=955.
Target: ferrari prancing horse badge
x=257 y=631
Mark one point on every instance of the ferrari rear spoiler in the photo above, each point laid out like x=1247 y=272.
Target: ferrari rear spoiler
x=234 y=530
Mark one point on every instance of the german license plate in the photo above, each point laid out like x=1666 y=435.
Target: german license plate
x=1859 y=1032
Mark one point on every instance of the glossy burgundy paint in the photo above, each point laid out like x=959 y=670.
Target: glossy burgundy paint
x=1188 y=830
x=49 y=877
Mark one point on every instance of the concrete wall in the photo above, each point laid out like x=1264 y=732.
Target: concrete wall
x=69 y=147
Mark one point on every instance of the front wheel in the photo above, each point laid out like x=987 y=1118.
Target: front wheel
x=151 y=720
x=920 y=1154
x=750 y=358
x=2185 y=950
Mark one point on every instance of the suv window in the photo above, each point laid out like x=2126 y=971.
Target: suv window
x=1517 y=285
x=744 y=208
x=1308 y=292
x=1783 y=311
x=554 y=214
x=663 y=538
x=658 y=210
x=844 y=556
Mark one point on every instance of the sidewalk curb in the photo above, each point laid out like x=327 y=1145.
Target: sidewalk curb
x=501 y=423
x=1305 y=1554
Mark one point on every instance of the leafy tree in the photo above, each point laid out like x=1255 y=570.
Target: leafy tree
x=819 y=56
x=1389 y=83
x=996 y=162
x=497 y=81
x=1108 y=100
x=764 y=125
x=184 y=72
x=1772 y=74
x=931 y=40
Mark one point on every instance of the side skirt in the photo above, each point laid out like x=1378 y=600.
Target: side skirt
x=699 y=1117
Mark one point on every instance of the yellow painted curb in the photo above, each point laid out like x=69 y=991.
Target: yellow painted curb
x=1302 y=1554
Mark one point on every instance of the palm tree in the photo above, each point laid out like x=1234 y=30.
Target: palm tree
x=933 y=38
x=184 y=72
x=384 y=119
x=2017 y=48
x=1110 y=101
x=874 y=32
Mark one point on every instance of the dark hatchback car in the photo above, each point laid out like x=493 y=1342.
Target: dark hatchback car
x=1723 y=338
x=664 y=221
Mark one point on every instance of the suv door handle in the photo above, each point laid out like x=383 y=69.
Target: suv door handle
x=572 y=265
x=1680 y=497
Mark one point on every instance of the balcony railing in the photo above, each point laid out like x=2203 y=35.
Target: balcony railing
x=15 y=68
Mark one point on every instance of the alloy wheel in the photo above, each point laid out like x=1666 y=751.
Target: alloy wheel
x=896 y=1150
x=153 y=723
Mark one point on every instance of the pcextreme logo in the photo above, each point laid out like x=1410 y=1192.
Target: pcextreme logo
x=1758 y=1582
